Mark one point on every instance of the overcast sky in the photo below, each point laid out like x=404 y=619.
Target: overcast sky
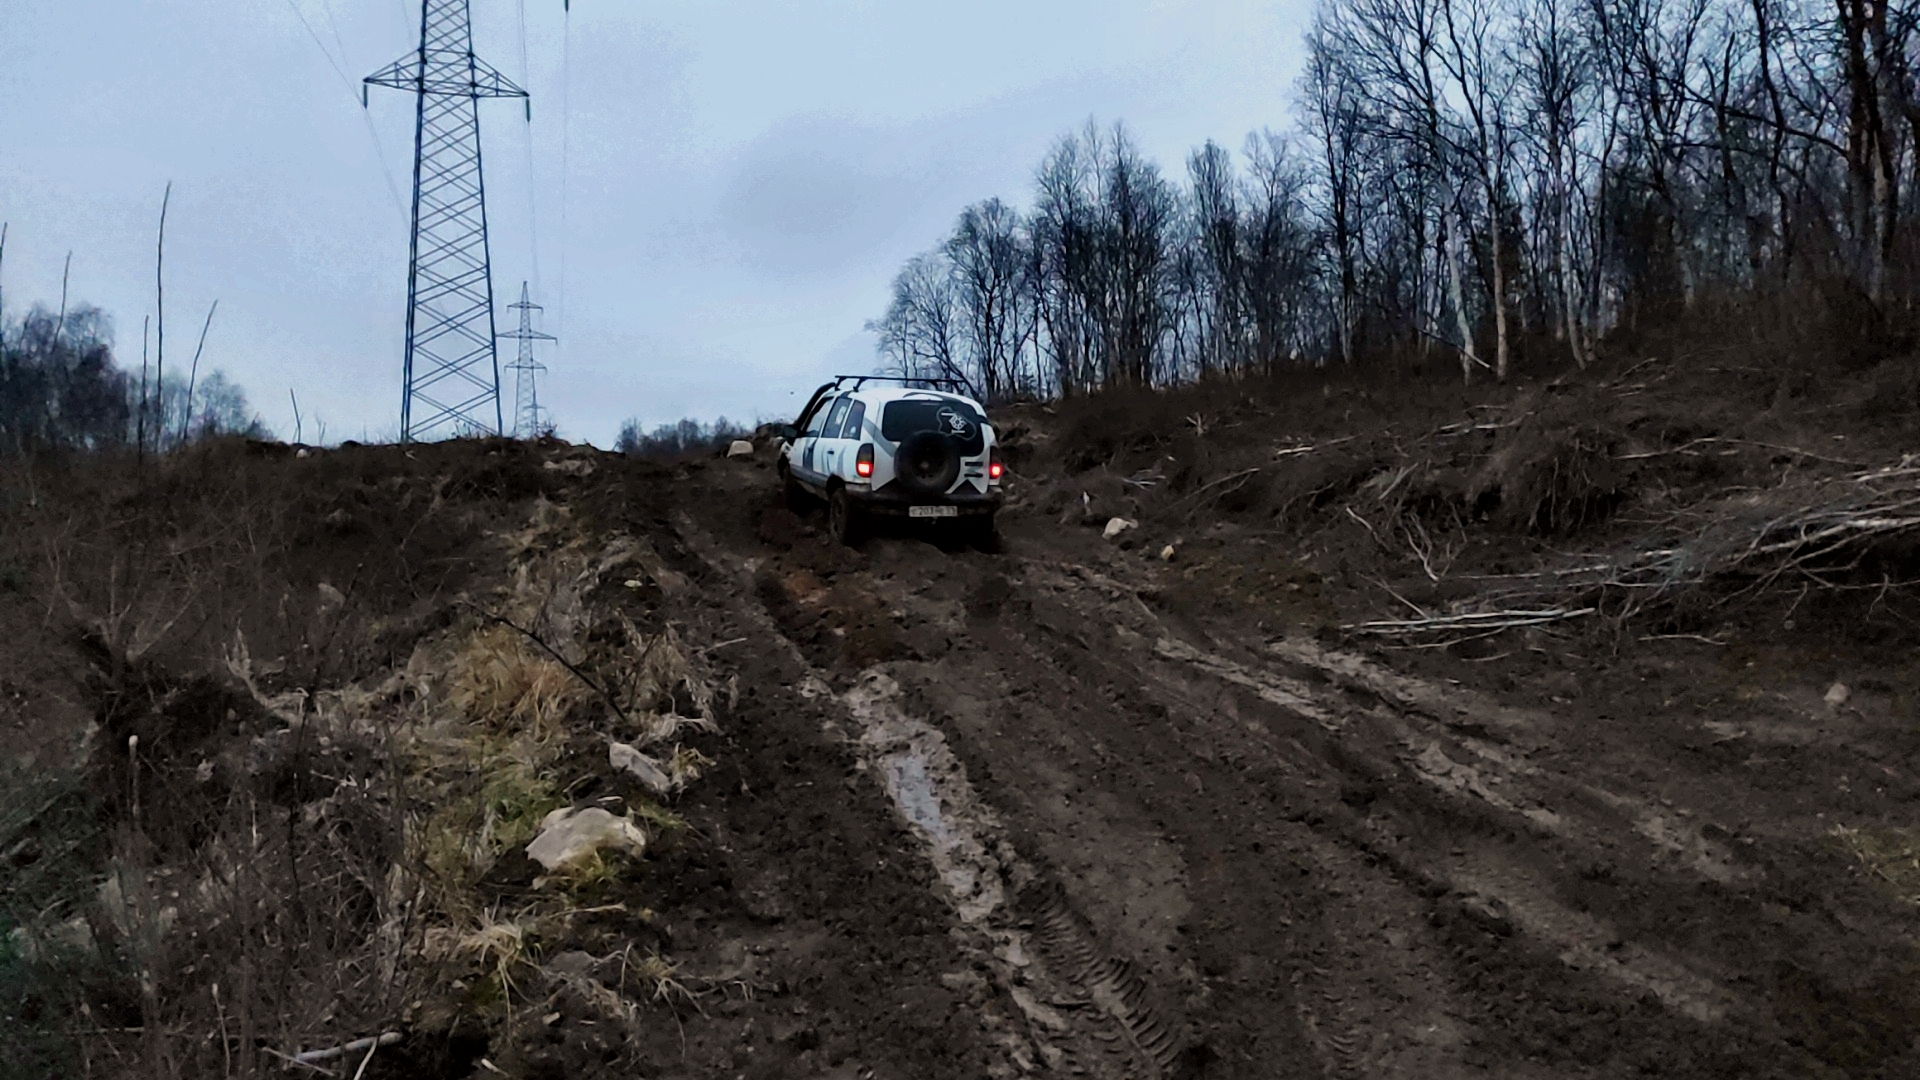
x=710 y=201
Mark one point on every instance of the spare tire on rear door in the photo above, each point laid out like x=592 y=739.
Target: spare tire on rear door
x=927 y=463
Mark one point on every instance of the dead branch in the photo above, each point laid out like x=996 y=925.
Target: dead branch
x=1687 y=448
x=1472 y=621
x=1209 y=485
x=314 y=1057
x=1290 y=451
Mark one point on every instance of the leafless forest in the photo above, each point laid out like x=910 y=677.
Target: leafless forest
x=1493 y=183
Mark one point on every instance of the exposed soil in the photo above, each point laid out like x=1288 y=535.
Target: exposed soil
x=1161 y=805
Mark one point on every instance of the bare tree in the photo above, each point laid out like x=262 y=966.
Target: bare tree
x=1332 y=116
x=921 y=331
x=987 y=252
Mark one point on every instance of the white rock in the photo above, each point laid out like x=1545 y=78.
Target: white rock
x=303 y=452
x=1116 y=526
x=629 y=759
x=569 y=835
x=1166 y=553
x=1837 y=694
x=331 y=600
x=740 y=448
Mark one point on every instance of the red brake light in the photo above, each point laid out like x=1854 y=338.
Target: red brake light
x=864 y=463
x=994 y=468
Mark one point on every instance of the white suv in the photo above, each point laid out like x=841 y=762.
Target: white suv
x=878 y=445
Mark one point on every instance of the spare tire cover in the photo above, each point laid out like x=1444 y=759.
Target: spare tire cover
x=927 y=463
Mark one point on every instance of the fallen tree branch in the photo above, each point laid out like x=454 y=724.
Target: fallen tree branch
x=1209 y=485
x=1473 y=620
x=1812 y=529
x=314 y=1057
x=1290 y=451
x=1686 y=446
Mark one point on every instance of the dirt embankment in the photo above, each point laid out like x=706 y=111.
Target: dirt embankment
x=1561 y=730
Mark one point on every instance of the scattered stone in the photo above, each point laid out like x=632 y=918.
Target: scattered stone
x=1487 y=912
x=570 y=467
x=1166 y=553
x=303 y=452
x=573 y=964
x=969 y=984
x=569 y=835
x=1116 y=526
x=331 y=600
x=1044 y=1015
x=740 y=448
x=648 y=771
x=1837 y=695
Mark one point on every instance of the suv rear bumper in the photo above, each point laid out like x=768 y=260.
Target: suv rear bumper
x=893 y=502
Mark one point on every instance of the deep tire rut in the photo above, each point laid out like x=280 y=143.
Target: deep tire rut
x=1082 y=1010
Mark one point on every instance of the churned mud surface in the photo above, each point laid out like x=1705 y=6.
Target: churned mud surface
x=1293 y=857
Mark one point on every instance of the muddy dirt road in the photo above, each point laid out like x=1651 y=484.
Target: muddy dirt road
x=1062 y=809
x=1174 y=833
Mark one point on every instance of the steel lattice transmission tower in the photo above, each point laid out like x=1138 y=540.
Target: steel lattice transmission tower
x=526 y=394
x=452 y=368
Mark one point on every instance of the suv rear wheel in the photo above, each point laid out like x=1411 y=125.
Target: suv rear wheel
x=844 y=519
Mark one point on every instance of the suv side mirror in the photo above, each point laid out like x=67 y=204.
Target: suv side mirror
x=789 y=432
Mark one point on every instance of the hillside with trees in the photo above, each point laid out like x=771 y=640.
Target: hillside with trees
x=61 y=389
x=1493 y=184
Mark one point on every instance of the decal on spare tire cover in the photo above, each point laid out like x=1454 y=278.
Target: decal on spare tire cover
x=954 y=424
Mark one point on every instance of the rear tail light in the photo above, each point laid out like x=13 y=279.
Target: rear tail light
x=863 y=464
x=994 y=467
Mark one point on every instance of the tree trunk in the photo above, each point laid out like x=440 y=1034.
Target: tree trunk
x=1468 y=359
x=1499 y=287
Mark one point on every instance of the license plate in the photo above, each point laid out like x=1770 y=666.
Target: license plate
x=933 y=511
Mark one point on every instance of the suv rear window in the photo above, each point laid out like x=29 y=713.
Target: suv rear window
x=909 y=416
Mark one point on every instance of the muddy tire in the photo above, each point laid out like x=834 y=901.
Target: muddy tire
x=792 y=492
x=845 y=522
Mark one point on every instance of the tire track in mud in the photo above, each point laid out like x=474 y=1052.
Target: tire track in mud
x=1395 y=956
x=1083 y=1010
x=1420 y=727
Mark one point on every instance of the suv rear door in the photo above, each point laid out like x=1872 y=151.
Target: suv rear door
x=828 y=441
x=804 y=450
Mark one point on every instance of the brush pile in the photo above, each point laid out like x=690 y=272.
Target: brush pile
x=1850 y=531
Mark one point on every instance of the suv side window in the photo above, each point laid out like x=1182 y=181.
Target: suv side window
x=818 y=418
x=856 y=416
x=834 y=418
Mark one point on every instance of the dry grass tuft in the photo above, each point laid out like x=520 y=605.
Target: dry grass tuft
x=500 y=681
x=1890 y=854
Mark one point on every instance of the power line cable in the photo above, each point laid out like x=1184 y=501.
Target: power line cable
x=333 y=25
x=566 y=131
x=533 y=214
x=393 y=188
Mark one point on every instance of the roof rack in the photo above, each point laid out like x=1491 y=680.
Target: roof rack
x=937 y=382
